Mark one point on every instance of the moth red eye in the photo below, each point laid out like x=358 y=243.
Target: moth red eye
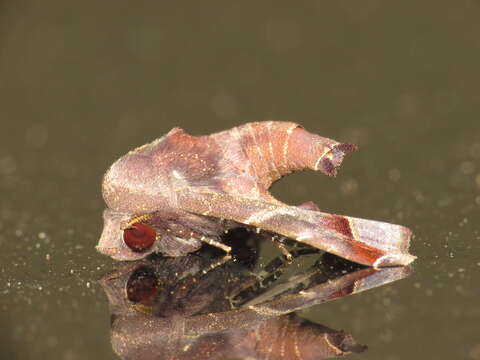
x=139 y=237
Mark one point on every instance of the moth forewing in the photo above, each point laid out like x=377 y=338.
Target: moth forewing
x=362 y=241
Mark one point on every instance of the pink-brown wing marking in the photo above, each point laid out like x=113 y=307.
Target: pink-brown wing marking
x=366 y=242
x=339 y=224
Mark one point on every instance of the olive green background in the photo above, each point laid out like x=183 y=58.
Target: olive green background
x=81 y=83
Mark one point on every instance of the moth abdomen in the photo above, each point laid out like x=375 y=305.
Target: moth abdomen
x=303 y=150
x=271 y=149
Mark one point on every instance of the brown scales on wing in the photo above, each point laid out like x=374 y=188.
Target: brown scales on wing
x=366 y=253
x=340 y=224
x=191 y=156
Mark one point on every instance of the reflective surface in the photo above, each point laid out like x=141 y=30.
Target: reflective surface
x=82 y=85
x=185 y=308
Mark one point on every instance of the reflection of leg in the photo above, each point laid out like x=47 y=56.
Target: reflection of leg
x=217 y=263
x=185 y=284
x=260 y=281
x=295 y=284
x=281 y=246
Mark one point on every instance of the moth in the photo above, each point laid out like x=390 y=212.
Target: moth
x=180 y=191
x=160 y=312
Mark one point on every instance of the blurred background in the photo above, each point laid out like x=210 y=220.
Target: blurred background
x=82 y=83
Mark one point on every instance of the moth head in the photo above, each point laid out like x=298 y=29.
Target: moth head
x=132 y=237
x=127 y=237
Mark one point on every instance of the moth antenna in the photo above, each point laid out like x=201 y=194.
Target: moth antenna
x=139 y=218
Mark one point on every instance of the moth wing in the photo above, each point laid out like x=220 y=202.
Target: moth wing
x=367 y=242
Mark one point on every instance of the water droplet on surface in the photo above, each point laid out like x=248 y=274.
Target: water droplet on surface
x=394 y=174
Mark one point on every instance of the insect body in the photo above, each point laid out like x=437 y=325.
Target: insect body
x=179 y=191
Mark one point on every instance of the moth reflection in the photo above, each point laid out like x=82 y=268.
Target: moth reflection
x=193 y=308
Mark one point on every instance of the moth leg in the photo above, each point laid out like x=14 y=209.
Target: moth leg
x=217 y=244
x=184 y=285
x=281 y=246
x=227 y=249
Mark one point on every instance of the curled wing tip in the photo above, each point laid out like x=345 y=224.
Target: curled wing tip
x=333 y=159
x=349 y=345
x=399 y=259
x=346 y=147
x=343 y=343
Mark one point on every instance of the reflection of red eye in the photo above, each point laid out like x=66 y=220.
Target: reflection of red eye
x=139 y=237
x=142 y=287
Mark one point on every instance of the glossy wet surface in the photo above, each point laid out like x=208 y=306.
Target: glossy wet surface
x=81 y=86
